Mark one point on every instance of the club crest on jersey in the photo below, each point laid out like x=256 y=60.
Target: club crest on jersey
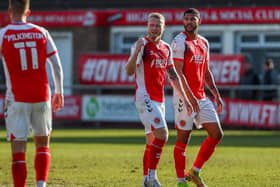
x=157 y=120
x=183 y=123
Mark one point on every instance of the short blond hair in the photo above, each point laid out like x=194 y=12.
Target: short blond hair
x=157 y=15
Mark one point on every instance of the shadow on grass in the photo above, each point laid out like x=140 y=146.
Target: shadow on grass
x=230 y=140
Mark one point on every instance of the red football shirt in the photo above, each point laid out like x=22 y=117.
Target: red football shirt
x=195 y=55
x=25 y=48
x=151 y=70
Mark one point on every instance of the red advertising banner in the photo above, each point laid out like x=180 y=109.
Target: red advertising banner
x=251 y=113
x=62 y=18
x=108 y=69
x=251 y=15
x=71 y=110
x=227 y=69
x=104 y=69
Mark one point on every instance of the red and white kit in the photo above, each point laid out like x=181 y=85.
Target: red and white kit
x=25 y=48
x=195 y=55
x=152 y=62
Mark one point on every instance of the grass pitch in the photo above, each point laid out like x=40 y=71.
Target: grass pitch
x=103 y=158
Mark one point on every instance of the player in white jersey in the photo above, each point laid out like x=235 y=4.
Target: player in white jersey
x=25 y=48
x=150 y=59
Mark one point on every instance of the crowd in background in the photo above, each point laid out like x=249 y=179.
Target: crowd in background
x=250 y=77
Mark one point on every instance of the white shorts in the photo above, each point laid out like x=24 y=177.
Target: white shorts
x=207 y=114
x=22 y=118
x=152 y=114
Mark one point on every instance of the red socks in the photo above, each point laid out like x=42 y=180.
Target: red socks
x=42 y=163
x=146 y=159
x=19 y=171
x=180 y=159
x=206 y=150
x=155 y=152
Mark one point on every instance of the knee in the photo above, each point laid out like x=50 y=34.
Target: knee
x=161 y=134
x=219 y=135
x=183 y=136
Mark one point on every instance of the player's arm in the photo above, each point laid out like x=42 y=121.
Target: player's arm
x=210 y=83
x=177 y=85
x=192 y=99
x=132 y=61
x=57 y=74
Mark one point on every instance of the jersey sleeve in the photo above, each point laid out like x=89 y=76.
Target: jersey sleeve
x=139 y=57
x=178 y=48
x=2 y=31
x=51 y=47
x=208 y=51
x=170 y=62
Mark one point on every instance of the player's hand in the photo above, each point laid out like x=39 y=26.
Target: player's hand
x=57 y=102
x=220 y=104
x=138 y=45
x=194 y=103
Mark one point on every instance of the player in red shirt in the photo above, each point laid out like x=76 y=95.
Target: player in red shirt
x=150 y=59
x=191 y=58
x=25 y=48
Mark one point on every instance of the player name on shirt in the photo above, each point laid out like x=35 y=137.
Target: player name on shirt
x=23 y=36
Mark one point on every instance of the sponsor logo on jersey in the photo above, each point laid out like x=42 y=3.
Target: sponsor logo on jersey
x=159 y=63
x=198 y=59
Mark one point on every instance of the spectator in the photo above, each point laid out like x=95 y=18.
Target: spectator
x=270 y=78
x=250 y=77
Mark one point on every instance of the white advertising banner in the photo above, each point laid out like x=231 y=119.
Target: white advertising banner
x=115 y=108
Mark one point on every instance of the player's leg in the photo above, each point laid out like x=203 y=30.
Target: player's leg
x=206 y=150
x=42 y=159
x=17 y=121
x=156 y=148
x=161 y=136
x=141 y=108
x=42 y=126
x=146 y=156
x=208 y=118
x=179 y=154
x=152 y=115
x=208 y=146
x=183 y=124
x=19 y=169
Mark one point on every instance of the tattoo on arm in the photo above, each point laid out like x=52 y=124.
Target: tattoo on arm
x=172 y=74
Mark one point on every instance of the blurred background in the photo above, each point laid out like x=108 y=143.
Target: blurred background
x=94 y=40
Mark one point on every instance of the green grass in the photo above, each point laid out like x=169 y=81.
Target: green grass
x=98 y=158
